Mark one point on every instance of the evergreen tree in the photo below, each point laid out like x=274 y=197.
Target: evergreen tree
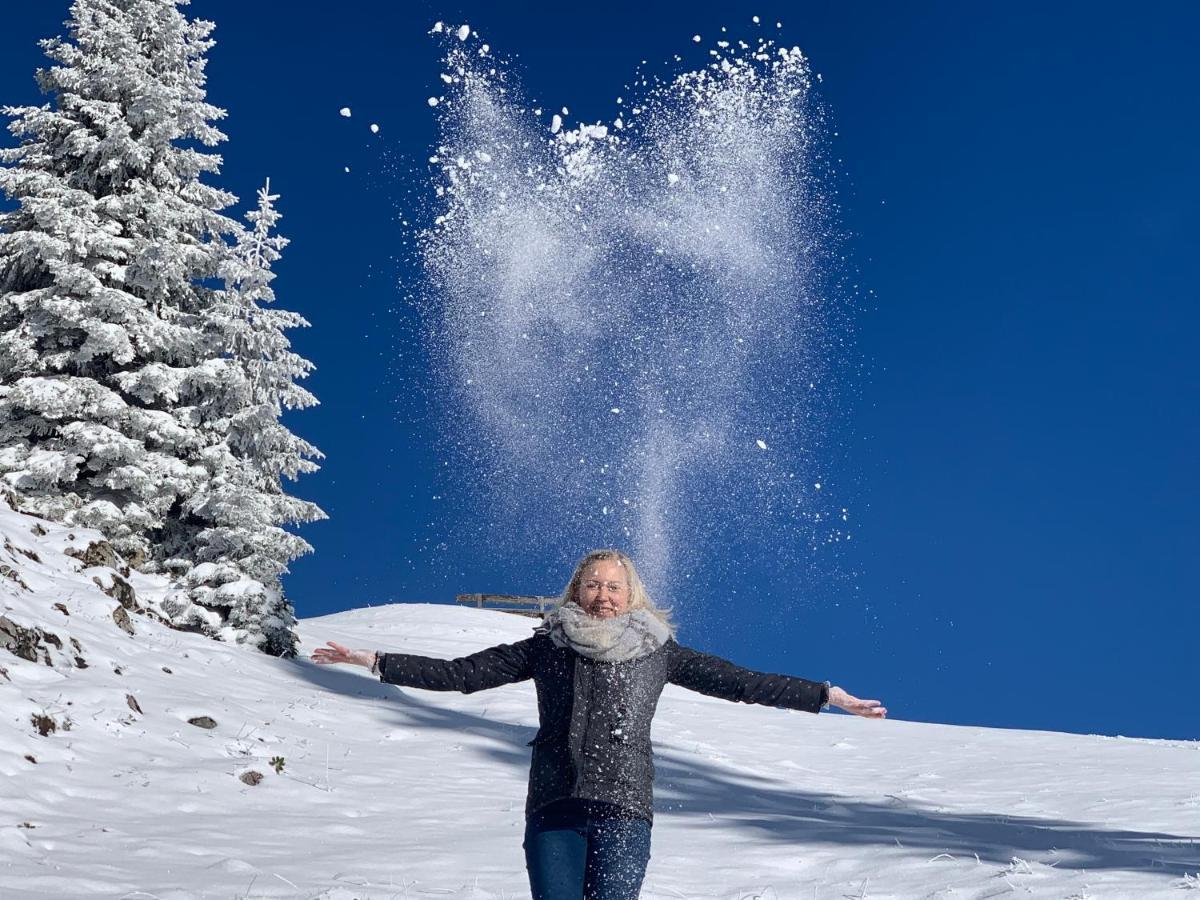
x=234 y=529
x=120 y=409
x=103 y=364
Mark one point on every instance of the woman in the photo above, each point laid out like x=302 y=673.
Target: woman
x=599 y=662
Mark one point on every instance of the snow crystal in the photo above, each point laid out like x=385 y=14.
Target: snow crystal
x=762 y=445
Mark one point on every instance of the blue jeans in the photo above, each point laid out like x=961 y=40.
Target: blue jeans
x=586 y=850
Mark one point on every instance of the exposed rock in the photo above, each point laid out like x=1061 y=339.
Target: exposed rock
x=28 y=553
x=251 y=778
x=30 y=757
x=61 y=607
x=168 y=671
x=13 y=575
x=121 y=617
x=203 y=722
x=120 y=590
x=44 y=724
x=99 y=553
x=27 y=643
x=38 y=529
x=133 y=704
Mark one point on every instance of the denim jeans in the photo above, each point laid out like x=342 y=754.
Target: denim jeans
x=586 y=850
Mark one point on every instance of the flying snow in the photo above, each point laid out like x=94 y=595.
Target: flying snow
x=566 y=271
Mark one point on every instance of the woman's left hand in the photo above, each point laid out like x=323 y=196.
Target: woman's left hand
x=868 y=709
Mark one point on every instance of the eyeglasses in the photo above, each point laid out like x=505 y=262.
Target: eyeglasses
x=613 y=587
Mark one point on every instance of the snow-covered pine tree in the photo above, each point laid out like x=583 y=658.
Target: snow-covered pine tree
x=106 y=370
x=103 y=362
x=234 y=531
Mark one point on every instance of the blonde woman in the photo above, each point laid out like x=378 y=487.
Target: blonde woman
x=599 y=662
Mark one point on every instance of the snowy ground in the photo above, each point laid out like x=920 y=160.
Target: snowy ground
x=389 y=793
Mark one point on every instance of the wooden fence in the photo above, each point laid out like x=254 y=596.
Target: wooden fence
x=509 y=603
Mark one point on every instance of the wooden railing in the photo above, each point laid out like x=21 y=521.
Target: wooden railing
x=509 y=603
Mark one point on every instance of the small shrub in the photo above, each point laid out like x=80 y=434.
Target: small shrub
x=277 y=762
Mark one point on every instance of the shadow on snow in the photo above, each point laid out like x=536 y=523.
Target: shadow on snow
x=776 y=810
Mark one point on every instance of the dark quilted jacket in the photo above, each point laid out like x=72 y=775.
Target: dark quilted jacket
x=594 y=739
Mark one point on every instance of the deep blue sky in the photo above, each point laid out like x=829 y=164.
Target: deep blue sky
x=1019 y=446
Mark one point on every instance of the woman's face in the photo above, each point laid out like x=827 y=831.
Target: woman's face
x=604 y=589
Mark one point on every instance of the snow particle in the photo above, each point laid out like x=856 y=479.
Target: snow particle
x=762 y=445
x=345 y=111
x=432 y=101
x=672 y=178
x=464 y=32
x=374 y=128
x=696 y=38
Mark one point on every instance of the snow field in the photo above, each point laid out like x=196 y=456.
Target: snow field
x=389 y=793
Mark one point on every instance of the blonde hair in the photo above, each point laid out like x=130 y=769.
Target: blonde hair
x=638 y=598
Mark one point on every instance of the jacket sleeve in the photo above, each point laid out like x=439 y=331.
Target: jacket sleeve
x=493 y=667
x=718 y=677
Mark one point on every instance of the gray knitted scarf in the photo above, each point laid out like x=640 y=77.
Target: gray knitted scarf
x=619 y=639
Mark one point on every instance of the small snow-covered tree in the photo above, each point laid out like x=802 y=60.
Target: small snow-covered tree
x=105 y=369
x=234 y=530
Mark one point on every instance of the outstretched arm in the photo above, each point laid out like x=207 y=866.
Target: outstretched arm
x=718 y=677
x=868 y=709
x=493 y=667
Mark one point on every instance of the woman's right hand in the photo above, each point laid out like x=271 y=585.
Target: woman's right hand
x=324 y=656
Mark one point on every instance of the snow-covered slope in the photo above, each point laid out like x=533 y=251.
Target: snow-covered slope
x=389 y=793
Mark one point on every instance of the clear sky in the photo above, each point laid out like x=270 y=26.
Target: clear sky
x=1018 y=443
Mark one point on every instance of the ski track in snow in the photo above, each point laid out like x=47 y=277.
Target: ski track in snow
x=390 y=793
